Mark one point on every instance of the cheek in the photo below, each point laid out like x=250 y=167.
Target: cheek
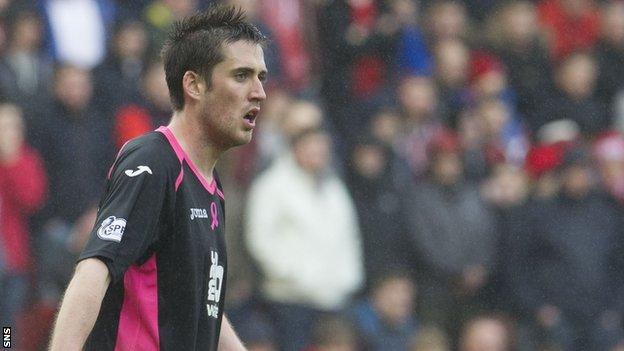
x=220 y=106
x=230 y=101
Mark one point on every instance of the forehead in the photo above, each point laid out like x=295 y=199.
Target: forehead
x=243 y=53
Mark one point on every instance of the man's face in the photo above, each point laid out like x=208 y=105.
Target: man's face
x=313 y=152
x=74 y=88
x=231 y=102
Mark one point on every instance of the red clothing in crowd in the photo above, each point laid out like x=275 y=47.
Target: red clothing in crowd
x=285 y=19
x=23 y=186
x=569 y=32
x=131 y=121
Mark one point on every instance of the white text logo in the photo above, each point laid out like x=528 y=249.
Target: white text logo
x=198 y=213
x=141 y=169
x=214 y=285
x=112 y=229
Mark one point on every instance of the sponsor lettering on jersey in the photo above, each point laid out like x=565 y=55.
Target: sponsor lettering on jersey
x=140 y=169
x=214 y=285
x=198 y=213
x=112 y=229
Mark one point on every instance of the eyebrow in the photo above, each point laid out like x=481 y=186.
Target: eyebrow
x=248 y=70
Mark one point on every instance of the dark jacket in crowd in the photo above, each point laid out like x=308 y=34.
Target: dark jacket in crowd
x=77 y=152
x=610 y=71
x=529 y=72
x=589 y=113
x=382 y=221
x=567 y=256
x=451 y=229
x=355 y=73
x=117 y=83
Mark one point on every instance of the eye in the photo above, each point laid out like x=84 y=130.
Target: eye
x=262 y=77
x=240 y=76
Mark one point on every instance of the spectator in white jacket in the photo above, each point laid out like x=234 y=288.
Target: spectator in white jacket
x=302 y=231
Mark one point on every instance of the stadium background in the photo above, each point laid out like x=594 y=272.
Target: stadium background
x=426 y=175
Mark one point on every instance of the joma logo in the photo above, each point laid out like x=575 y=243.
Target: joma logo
x=198 y=213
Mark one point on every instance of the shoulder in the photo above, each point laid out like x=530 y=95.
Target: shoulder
x=148 y=153
x=152 y=144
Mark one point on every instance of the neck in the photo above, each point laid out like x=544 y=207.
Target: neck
x=194 y=142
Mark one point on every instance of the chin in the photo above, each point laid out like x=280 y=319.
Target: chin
x=242 y=140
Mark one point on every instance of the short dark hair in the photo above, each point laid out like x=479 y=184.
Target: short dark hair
x=195 y=43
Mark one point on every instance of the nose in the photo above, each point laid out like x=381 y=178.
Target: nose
x=257 y=92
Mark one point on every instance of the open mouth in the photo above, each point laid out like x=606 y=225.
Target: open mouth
x=251 y=115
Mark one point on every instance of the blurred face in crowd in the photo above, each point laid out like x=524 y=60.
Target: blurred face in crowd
x=301 y=115
x=312 y=152
x=131 y=41
x=418 y=98
x=493 y=115
x=577 y=75
x=490 y=84
x=155 y=87
x=452 y=59
x=613 y=22
x=448 y=20
x=394 y=300
x=485 y=335
x=520 y=22
x=385 y=126
x=508 y=186
x=73 y=87
x=406 y=11
x=275 y=108
x=369 y=161
x=11 y=131
x=27 y=32
x=576 y=181
x=612 y=173
x=446 y=168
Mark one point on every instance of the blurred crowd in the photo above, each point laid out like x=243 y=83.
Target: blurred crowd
x=427 y=175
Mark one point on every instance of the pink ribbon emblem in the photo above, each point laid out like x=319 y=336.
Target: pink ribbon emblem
x=215 y=216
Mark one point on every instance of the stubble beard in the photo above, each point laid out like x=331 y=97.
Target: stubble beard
x=224 y=135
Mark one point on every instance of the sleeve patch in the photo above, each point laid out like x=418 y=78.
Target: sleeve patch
x=112 y=229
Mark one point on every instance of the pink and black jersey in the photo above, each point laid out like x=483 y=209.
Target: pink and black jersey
x=160 y=231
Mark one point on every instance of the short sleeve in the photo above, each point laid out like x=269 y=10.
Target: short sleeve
x=130 y=212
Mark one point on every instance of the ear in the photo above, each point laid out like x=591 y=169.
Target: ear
x=192 y=85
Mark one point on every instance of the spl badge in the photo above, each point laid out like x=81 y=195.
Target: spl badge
x=112 y=229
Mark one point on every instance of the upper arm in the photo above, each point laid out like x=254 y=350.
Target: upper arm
x=93 y=272
x=129 y=215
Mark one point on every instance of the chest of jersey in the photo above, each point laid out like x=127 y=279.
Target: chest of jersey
x=200 y=225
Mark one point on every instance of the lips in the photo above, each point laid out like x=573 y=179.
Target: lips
x=250 y=116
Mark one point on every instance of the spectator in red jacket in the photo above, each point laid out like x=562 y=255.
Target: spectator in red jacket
x=571 y=25
x=22 y=189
